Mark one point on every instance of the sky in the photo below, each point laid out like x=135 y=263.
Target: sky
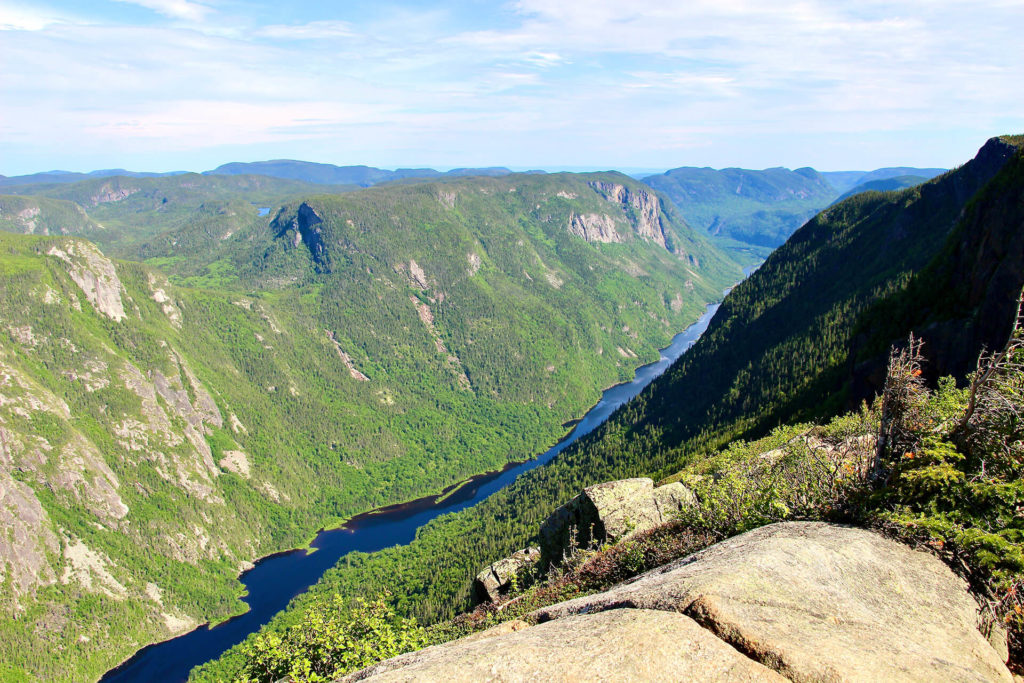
x=158 y=85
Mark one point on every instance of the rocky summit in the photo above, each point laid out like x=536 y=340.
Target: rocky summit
x=799 y=601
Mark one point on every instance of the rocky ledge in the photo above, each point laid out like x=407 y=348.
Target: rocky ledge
x=800 y=601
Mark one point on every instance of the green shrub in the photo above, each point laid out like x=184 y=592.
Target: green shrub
x=331 y=641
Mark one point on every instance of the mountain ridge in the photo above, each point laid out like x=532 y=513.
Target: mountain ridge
x=164 y=434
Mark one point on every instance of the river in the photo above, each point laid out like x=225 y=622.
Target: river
x=276 y=579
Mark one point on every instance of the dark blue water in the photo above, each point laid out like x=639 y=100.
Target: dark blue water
x=278 y=578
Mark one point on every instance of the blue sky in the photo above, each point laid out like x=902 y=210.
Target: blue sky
x=191 y=84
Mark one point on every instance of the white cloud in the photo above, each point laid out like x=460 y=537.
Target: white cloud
x=554 y=79
x=24 y=18
x=185 y=10
x=309 y=31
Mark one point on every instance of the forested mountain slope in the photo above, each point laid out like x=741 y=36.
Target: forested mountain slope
x=781 y=347
x=353 y=351
x=757 y=208
x=884 y=185
x=144 y=217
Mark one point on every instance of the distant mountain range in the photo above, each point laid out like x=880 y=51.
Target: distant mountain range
x=884 y=185
x=306 y=171
x=329 y=174
x=844 y=181
x=753 y=211
x=61 y=177
x=760 y=209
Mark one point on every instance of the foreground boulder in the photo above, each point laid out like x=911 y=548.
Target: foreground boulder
x=610 y=511
x=621 y=645
x=802 y=601
x=497 y=578
x=820 y=602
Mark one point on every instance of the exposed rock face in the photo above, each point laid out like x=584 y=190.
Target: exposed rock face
x=27 y=538
x=642 y=206
x=622 y=645
x=112 y=192
x=594 y=227
x=346 y=359
x=306 y=226
x=496 y=578
x=95 y=274
x=237 y=462
x=799 y=601
x=167 y=305
x=613 y=510
x=818 y=602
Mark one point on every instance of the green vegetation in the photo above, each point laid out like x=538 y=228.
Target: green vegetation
x=161 y=427
x=883 y=185
x=44 y=216
x=778 y=353
x=938 y=469
x=757 y=208
x=333 y=640
x=139 y=218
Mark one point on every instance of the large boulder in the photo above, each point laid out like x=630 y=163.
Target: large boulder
x=820 y=602
x=622 y=645
x=610 y=511
x=496 y=578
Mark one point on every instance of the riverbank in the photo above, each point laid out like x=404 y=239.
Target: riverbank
x=278 y=578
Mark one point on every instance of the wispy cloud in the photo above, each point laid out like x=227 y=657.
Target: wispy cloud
x=24 y=18
x=185 y=10
x=599 y=82
x=312 y=30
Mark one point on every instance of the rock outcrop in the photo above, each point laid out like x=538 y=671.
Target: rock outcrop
x=496 y=578
x=624 y=645
x=815 y=601
x=305 y=226
x=594 y=227
x=800 y=601
x=642 y=207
x=613 y=510
x=95 y=274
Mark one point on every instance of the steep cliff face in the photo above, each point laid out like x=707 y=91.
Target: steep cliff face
x=303 y=227
x=642 y=208
x=594 y=227
x=966 y=299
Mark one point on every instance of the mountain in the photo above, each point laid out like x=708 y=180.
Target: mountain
x=346 y=352
x=786 y=343
x=965 y=300
x=55 y=177
x=843 y=181
x=44 y=216
x=329 y=174
x=884 y=185
x=780 y=346
x=145 y=217
x=759 y=209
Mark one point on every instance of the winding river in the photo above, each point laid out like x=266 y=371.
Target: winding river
x=277 y=579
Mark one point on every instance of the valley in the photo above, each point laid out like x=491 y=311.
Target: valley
x=678 y=427
x=245 y=382
x=201 y=370
x=523 y=341
x=277 y=579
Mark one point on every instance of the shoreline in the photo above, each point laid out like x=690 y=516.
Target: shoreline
x=425 y=502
